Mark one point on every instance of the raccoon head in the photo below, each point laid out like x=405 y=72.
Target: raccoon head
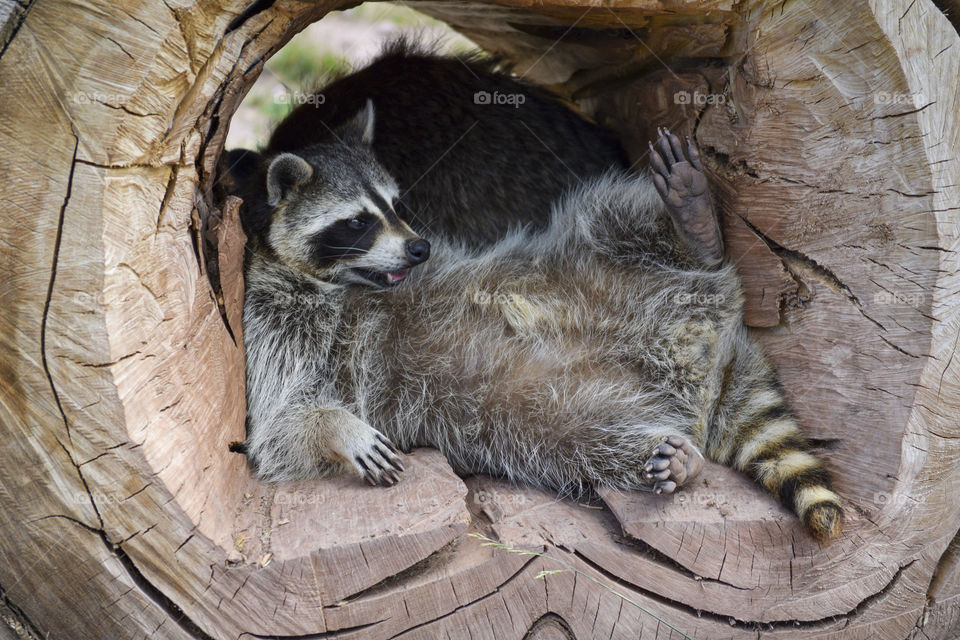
x=333 y=211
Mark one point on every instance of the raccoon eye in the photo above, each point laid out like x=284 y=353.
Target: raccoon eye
x=357 y=224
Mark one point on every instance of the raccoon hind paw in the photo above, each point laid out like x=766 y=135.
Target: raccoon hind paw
x=824 y=520
x=682 y=185
x=674 y=463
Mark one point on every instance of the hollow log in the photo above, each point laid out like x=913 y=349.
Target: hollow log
x=830 y=132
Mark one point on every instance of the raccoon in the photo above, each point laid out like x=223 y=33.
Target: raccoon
x=608 y=349
x=449 y=130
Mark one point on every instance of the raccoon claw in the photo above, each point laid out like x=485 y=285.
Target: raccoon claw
x=674 y=463
x=682 y=185
x=381 y=464
x=389 y=445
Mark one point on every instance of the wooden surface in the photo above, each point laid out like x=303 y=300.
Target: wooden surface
x=833 y=156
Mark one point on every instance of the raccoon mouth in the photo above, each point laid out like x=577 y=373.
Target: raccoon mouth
x=383 y=278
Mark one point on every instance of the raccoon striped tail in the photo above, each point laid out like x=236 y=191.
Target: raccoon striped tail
x=774 y=452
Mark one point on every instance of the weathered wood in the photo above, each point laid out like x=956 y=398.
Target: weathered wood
x=830 y=133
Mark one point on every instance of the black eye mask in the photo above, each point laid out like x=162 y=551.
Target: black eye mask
x=342 y=240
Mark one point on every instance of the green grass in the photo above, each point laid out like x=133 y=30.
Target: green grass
x=308 y=61
x=301 y=61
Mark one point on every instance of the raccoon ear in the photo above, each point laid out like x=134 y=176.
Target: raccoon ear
x=287 y=172
x=364 y=121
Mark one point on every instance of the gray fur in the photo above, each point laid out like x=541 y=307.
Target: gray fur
x=286 y=172
x=489 y=357
x=558 y=359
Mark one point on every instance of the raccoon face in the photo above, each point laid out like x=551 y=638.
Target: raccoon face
x=334 y=214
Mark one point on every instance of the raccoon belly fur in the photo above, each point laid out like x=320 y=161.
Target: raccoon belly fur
x=558 y=360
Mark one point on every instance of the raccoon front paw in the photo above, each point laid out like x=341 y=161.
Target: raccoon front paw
x=674 y=463
x=377 y=460
x=683 y=186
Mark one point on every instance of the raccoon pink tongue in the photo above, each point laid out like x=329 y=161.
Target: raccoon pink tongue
x=397 y=276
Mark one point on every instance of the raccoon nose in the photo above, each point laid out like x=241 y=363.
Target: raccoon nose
x=418 y=250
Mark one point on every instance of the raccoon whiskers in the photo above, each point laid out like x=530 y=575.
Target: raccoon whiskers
x=354 y=249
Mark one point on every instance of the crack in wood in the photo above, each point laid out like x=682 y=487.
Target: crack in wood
x=949 y=559
x=171 y=186
x=904 y=113
x=141 y=582
x=105 y=452
x=123 y=165
x=58 y=238
x=404 y=578
x=18 y=620
x=799 y=266
x=656 y=556
x=145 y=24
x=902 y=350
x=16 y=18
x=101 y=365
x=126 y=109
x=121 y=47
x=946 y=565
x=329 y=635
x=153 y=593
x=734 y=622
x=145 y=586
x=258 y=7
x=946 y=367
x=209 y=246
x=511 y=578
x=45 y=321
